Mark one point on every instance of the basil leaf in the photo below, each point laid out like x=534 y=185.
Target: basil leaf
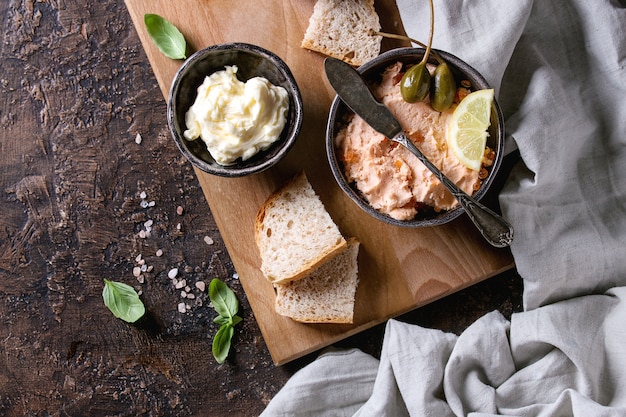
x=221 y=342
x=222 y=321
x=226 y=305
x=223 y=299
x=166 y=36
x=123 y=301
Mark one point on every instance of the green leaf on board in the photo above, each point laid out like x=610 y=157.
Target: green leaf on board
x=166 y=36
x=123 y=301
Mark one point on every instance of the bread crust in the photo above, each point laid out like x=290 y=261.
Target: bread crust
x=341 y=29
x=325 y=296
x=308 y=267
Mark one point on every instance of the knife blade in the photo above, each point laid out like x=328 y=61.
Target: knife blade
x=355 y=93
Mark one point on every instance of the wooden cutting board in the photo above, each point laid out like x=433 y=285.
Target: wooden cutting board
x=399 y=269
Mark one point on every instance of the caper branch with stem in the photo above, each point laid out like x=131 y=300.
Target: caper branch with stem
x=417 y=82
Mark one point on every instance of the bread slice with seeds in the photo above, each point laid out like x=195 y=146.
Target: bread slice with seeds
x=342 y=29
x=294 y=232
x=326 y=295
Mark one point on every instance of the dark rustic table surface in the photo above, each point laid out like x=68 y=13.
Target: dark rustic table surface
x=92 y=186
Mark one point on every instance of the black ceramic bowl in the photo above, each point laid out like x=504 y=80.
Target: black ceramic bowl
x=372 y=72
x=252 y=61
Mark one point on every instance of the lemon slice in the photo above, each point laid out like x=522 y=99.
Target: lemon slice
x=467 y=129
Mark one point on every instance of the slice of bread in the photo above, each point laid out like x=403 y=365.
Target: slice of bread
x=341 y=29
x=326 y=295
x=294 y=232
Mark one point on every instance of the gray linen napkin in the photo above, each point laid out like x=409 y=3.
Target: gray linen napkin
x=559 y=73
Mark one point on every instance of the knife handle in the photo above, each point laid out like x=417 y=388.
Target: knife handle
x=494 y=228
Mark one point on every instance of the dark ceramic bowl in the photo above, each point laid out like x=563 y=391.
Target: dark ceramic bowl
x=252 y=61
x=372 y=72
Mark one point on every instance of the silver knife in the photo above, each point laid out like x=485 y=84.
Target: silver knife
x=354 y=92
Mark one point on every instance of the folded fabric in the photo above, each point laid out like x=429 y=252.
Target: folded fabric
x=560 y=77
x=565 y=359
x=566 y=82
x=337 y=383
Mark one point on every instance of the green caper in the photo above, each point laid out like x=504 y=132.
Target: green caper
x=443 y=88
x=415 y=83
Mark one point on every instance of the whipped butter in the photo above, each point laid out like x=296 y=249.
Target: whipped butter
x=236 y=119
